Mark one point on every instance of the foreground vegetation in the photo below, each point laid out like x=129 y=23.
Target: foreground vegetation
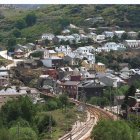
x=114 y=130
x=22 y=120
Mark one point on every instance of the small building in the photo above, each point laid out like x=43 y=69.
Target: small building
x=66 y=31
x=132 y=43
x=64 y=49
x=52 y=62
x=48 y=36
x=132 y=34
x=108 y=34
x=91 y=88
x=100 y=67
x=70 y=88
x=51 y=72
x=18 y=53
x=119 y=33
x=100 y=37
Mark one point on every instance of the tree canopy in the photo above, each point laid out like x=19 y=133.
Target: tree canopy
x=114 y=130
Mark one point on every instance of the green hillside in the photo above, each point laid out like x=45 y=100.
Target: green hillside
x=53 y=18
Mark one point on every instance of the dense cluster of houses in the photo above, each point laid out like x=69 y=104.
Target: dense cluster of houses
x=69 y=70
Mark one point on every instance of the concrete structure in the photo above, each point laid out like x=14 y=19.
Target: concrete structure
x=132 y=34
x=48 y=36
x=108 y=34
x=100 y=37
x=64 y=49
x=70 y=88
x=132 y=43
x=51 y=72
x=100 y=67
x=119 y=33
x=52 y=62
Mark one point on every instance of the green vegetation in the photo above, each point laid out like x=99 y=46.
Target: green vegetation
x=20 y=119
x=4 y=62
x=100 y=101
x=114 y=130
x=54 y=18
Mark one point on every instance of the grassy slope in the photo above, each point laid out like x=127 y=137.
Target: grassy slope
x=64 y=121
x=49 y=17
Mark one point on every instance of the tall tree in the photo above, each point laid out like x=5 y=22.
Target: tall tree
x=30 y=19
x=114 y=130
x=20 y=24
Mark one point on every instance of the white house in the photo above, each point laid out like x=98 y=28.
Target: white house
x=119 y=33
x=70 y=38
x=83 y=37
x=77 y=37
x=100 y=37
x=92 y=35
x=111 y=46
x=132 y=34
x=86 y=52
x=108 y=34
x=65 y=49
x=61 y=38
x=48 y=36
x=132 y=43
x=66 y=31
x=114 y=46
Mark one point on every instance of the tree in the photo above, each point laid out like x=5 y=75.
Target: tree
x=4 y=134
x=131 y=92
x=21 y=108
x=20 y=24
x=114 y=130
x=25 y=133
x=43 y=123
x=138 y=36
x=115 y=39
x=11 y=42
x=37 y=54
x=47 y=42
x=17 y=33
x=30 y=19
x=124 y=36
x=64 y=100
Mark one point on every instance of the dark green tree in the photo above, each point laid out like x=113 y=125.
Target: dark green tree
x=20 y=24
x=115 y=39
x=43 y=123
x=124 y=36
x=64 y=100
x=11 y=42
x=47 y=42
x=30 y=19
x=17 y=33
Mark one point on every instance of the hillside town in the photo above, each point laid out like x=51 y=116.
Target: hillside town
x=90 y=66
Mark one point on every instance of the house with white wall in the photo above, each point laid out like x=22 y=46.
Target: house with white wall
x=132 y=43
x=48 y=36
x=77 y=37
x=119 y=33
x=64 y=49
x=111 y=46
x=100 y=37
x=92 y=36
x=132 y=34
x=108 y=34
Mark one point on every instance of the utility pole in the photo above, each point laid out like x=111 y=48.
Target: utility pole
x=18 y=131
x=83 y=98
x=50 y=126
